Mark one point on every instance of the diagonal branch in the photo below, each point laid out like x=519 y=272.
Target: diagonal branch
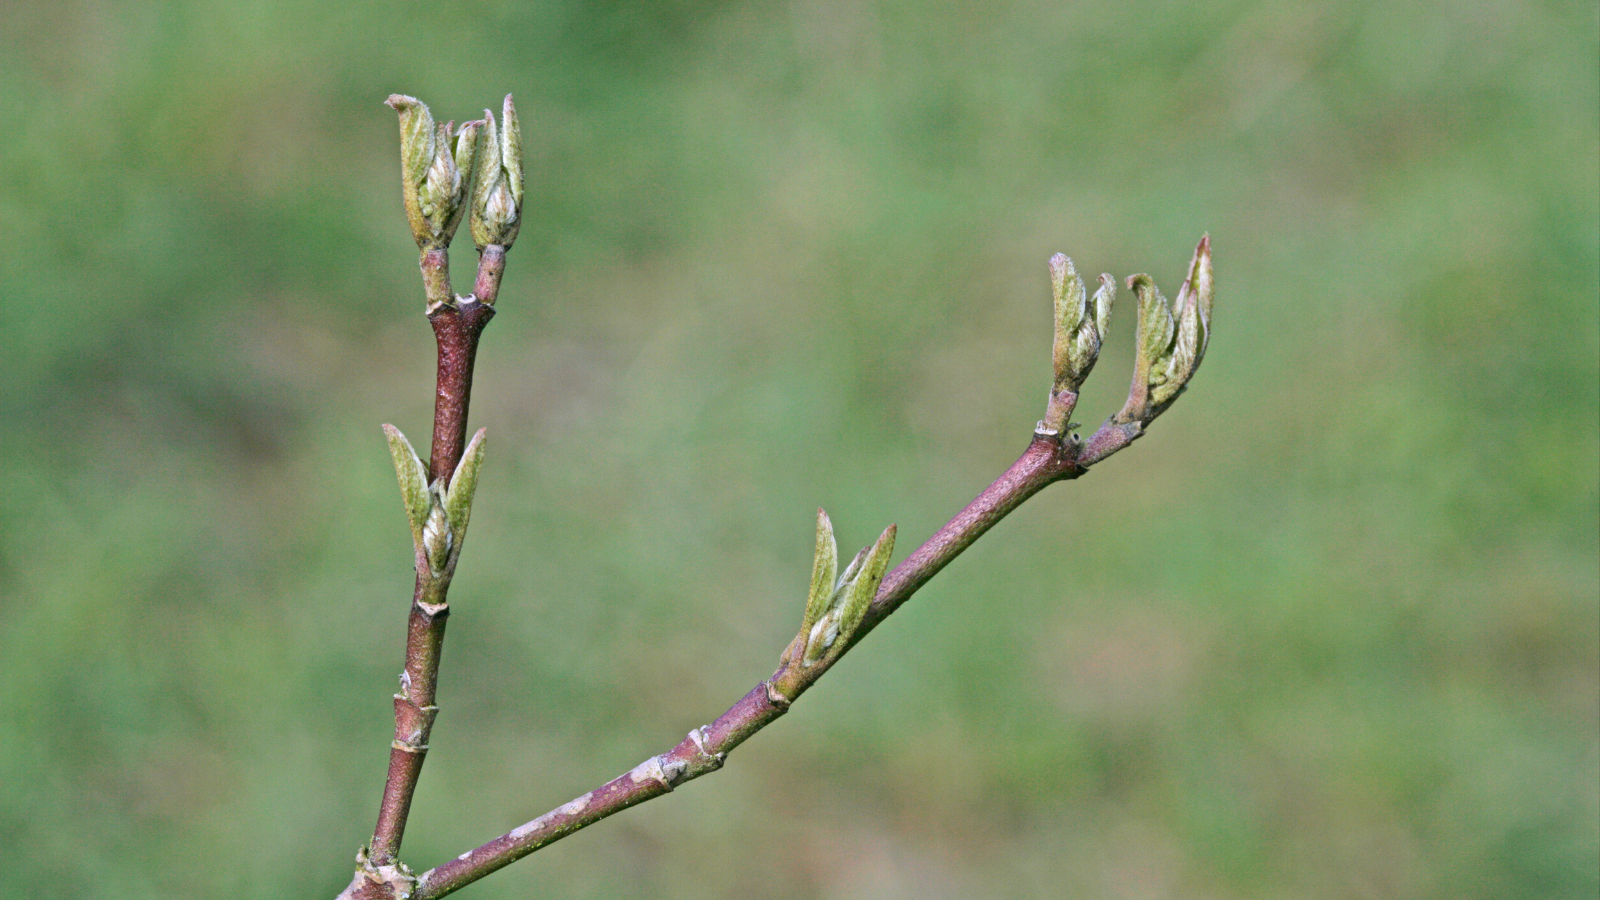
x=1048 y=459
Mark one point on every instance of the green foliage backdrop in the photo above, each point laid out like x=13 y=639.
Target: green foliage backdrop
x=1330 y=631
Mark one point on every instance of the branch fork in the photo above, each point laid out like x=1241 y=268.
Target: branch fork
x=439 y=166
x=447 y=170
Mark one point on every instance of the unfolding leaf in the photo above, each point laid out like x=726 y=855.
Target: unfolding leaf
x=463 y=485
x=824 y=567
x=861 y=590
x=413 y=478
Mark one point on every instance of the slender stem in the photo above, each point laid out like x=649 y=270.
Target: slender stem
x=1046 y=460
x=414 y=712
x=1108 y=439
x=457 y=325
x=491 y=264
x=457 y=328
x=702 y=751
x=435 y=266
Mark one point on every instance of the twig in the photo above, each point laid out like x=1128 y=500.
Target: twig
x=443 y=174
x=457 y=328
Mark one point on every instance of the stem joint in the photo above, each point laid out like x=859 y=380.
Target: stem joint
x=776 y=697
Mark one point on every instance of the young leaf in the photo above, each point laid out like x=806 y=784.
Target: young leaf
x=416 y=137
x=413 y=480
x=860 y=591
x=1103 y=299
x=824 y=568
x=463 y=485
x=1155 y=323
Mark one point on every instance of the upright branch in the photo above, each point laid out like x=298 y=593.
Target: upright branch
x=841 y=608
x=440 y=165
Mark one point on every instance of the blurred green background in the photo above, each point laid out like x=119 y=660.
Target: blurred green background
x=1329 y=631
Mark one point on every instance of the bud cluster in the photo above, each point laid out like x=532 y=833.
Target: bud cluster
x=1172 y=340
x=497 y=197
x=1080 y=328
x=1080 y=324
x=439 y=165
x=836 y=606
x=439 y=511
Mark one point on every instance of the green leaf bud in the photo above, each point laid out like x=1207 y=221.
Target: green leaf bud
x=1080 y=327
x=416 y=156
x=437 y=539
x=497 y=192
x=413 y=478
x=1193 y=308
x=432 y=183
x=463 y=485
x=1103 y=299
x=1068 y=292
x=848 y=599
x=860 y=591
x=824 y=569
x=1172 y=339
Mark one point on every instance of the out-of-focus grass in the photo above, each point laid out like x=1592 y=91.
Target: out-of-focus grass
x=1330 y=631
